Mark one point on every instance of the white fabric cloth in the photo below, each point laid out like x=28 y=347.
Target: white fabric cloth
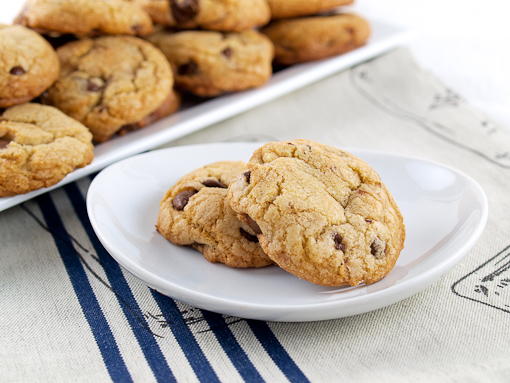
x=70 y=313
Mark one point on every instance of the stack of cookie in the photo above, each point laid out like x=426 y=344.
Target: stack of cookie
x=113 y=71
x=39 y=145
x=317 y=212
x=111 y=79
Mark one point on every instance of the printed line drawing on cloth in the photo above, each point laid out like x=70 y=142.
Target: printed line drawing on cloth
x=473 y=136
x=489 y=283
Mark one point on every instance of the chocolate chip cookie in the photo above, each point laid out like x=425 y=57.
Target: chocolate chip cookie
x=318 y=37
x=109 y=82
x=39 y=146
x=320 y=213
x=28 y=65
x=281 y=9
x=86 y=17
x=217 y=15
x=210 y=63
x=194 y=212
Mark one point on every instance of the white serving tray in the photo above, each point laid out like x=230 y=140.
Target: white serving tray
x=197 y=117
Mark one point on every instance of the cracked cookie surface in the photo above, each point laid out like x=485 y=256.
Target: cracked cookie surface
x=218 y=15
x=194 y=212
x=85 y=17
x=313 y=38
x=281 y=9
x=109 y=82
x=210 y=63
x=39 y=146
x=28 y=65
x=320 y=213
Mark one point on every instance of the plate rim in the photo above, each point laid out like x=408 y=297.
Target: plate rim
x=185 y=294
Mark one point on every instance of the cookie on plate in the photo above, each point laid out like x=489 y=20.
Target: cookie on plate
x=109 y=82
x=281 y=9
x=320 y=213
x=217 y=15
x=209 y=63
x=194 y=212
x=28 y=65
x=86 y=17
x=39 y=146
x=317 y=37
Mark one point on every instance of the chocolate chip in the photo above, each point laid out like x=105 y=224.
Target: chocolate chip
x=378 y=248
x=252 y=224
x=181 y=200
x=227 y=52
x=137 y=28
x=214 y=184
x=95 y=85
x=17 y=71
x=339 y=245
x=368 y=220
x=184 y=10
x=248 y=236
x=247 y=176
x=4 y=142
x=188 y=69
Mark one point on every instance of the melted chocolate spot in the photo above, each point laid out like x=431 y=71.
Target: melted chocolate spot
x=247 y=176
x=188 y=69
x=95 y=85
x=339 y=245
x=368 y=220
x=378 y=248
x=227 y=52
x=137 y=28
x=248 y=236
x=252 y=224
x=184 y=10
x=4 y=142
x=214 y=184
x=17 y=71
x=181 y=200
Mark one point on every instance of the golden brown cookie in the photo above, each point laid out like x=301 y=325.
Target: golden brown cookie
x=217 y=15
x=320 y=213
x=28 y=65
x=86 y=17
x=194 y=212
x=109 y=82
x=210 y=63
x=39 y=146
x=281 y=9
x=318 y=37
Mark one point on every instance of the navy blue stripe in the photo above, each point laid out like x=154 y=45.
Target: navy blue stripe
x=100 y=329
x=276 y=351
x=232 y=347
x=185 y=338
x=130 y=307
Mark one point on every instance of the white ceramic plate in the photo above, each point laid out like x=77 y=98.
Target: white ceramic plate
x=445 y=212
x=199 y=116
